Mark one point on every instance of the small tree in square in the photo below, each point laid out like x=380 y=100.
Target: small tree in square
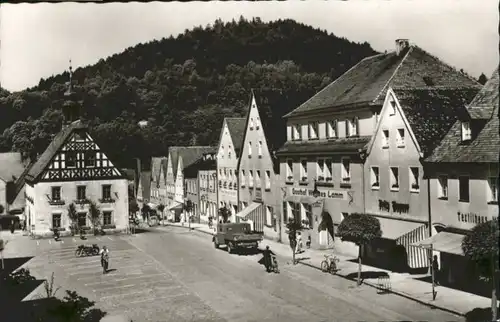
x=95 y=216
x=73 y=217
x=481 y=246
x=293 y=226
x=360 y=229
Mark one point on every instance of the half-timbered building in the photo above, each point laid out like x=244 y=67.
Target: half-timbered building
x=74 y=170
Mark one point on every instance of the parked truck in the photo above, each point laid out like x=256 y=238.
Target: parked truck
x=236 y=236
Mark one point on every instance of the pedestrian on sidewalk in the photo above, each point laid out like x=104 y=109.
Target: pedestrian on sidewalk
x=435 y=268
x=299 y=243
x=104 y=252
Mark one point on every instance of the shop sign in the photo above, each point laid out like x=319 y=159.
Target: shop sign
x=324 y=194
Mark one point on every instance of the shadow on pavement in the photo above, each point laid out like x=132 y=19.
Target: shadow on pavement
x=478 y=288
x=17 y=283
x=367 y=275
x=479 y=315
x=299 y=259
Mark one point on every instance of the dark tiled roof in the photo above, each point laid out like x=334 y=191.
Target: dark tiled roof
x=155 y=168
x=11 y=166
x=18 y=185
x=484 y=148
x=189 y=155
x=485 y=102
x=485 y=143
x=368 y=81
x=353 y=144
x=236 y=128
x=54 y=146
x=200 y=164
x=146 y=184
x=432 y=112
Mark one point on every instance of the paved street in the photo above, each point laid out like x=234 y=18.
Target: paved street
x=177 y=275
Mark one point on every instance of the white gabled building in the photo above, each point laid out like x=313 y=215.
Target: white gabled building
x=229 y=150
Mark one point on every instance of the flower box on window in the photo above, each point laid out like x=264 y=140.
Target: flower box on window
x=107 y=200
x=376 y=184
x=56 y=202
x=395 y=186
x=346 y=179
x=304 y=179
x=415 y=186
x=321 y=178
x=290 y=178
x=82 y=201
x=329 y=179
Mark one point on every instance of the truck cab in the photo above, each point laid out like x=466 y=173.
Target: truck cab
x=236 y=236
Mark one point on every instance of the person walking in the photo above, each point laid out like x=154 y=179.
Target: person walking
x=104 y=252
x=299 y=243
x=435 y=268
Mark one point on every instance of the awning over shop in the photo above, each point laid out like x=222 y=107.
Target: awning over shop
x=393 y=228
x=175 y=206
x=445 y=242
x=255 y=213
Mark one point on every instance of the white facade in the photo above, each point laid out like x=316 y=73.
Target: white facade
x=42 y=213
x=227 y=163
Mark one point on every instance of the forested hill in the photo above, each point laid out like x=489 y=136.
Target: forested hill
x=183 y=87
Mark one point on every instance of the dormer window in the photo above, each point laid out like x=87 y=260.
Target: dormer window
x=296 y=132
x=332 y=129
x=257 y=124
x=355 y=126
x=466 y=131
x=251 y=124
x=313 y=130
x=351 y=127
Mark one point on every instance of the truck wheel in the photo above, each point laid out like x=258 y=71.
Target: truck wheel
x=216 y=244
x=230 y=248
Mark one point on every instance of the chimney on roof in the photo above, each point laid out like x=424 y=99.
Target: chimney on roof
x=401 y=46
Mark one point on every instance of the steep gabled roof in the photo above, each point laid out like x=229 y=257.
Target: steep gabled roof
x=273 y=138
x=236 y=128
x=155 y=168
x=366 y=83
x=54 y=146
x=11 y=166
x=486 y=101
x=432 y=112
x=189 y=155
x=163 y=170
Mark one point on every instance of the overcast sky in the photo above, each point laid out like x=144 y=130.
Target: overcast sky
x=37 y=40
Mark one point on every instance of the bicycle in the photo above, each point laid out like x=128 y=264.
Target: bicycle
x=328 y=265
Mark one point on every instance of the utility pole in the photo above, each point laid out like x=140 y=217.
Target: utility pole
x=434 y=293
